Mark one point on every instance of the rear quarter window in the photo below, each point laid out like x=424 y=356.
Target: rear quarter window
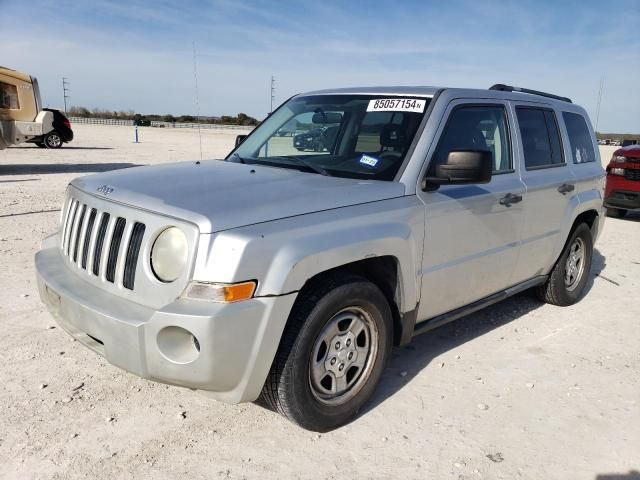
x=580 y=139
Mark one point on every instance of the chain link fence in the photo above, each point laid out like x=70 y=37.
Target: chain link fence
x=114 y=121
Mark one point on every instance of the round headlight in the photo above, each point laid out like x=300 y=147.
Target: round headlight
x=169 y=254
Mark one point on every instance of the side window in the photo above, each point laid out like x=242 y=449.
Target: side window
x=579 y=138
x=540 y=137
x=9 y=96
x=476 y=127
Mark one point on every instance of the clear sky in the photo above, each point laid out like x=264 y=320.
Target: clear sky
x=137 y=54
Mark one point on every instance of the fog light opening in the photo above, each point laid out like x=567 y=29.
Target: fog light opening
x=178 y=345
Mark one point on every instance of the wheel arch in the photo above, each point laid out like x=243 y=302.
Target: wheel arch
x=591 y=217
x=384 y=272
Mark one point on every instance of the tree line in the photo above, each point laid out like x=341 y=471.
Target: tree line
x=617 y=136
x=239 y=119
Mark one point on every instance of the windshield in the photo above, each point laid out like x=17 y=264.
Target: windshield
x=354 y=136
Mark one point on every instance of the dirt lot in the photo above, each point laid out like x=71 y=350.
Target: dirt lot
x=519 y=390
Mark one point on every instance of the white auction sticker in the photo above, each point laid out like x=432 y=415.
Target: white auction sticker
x=397 y=105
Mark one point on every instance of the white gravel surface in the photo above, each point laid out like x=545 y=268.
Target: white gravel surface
x=520 y=390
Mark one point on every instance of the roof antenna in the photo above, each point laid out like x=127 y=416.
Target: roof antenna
x=195 y=77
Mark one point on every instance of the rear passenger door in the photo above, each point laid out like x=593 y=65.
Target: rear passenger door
x=550 y=189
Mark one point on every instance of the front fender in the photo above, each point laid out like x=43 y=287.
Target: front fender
x=283 y=254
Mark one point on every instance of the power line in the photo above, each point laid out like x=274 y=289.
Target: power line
x=65 y=89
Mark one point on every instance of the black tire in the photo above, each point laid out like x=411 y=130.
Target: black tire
x=556 y=290
x=52 y=140
x=616 y=213
x=288 y=389
x=40 y=144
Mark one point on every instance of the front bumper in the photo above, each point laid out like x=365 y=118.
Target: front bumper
x=622 y=193
x=235 y=344
x=623 y=199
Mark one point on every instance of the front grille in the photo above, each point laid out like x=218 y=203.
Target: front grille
x=116 y=239
x=101 y=244
x=632 y=174
x=132 y=254
x=102 y=231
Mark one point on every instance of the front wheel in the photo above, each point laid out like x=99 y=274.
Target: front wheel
x=571 y=272
x=52 y=140
x=332 y=353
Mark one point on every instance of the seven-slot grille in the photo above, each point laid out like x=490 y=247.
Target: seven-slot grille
x=102 y=244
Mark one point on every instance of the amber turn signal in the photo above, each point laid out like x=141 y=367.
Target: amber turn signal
x=221 y=292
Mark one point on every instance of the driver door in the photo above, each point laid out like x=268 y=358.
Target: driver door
x=472 y=238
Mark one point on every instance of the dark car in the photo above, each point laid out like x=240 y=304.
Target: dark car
x=60 y=133
x=318 y=139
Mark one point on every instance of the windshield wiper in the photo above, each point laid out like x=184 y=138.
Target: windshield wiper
x=307 y=164
x=240 y=159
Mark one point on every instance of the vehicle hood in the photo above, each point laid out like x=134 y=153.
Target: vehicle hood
x=631 y=151
x=218 y=195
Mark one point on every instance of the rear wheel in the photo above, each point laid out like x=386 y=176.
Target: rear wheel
x=570 y=274
x=616 y=213
x=332 y=353
x=52 y=140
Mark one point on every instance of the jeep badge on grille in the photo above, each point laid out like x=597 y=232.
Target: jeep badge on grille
x=105 y=189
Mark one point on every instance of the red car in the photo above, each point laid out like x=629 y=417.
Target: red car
x=622 y=193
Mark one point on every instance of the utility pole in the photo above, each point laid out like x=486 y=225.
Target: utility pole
x=65 y=89
x=273 y=93
x=195 y=80
x=599 y=99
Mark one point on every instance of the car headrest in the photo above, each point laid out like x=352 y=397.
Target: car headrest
x=392 y=136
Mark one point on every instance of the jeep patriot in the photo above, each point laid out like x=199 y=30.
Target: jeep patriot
x=285 y=275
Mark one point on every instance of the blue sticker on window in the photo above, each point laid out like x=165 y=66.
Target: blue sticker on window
x=369 y=161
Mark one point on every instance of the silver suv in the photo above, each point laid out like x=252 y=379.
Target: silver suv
x=286 y=276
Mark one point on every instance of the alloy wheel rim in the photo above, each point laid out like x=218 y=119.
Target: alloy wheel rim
x=343 y=356
x=53 y=140
x=574 y=268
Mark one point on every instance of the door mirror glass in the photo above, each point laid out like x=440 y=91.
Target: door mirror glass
x=463 y=167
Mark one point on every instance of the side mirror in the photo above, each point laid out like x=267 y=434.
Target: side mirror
x=463 y=167
x=240 y=139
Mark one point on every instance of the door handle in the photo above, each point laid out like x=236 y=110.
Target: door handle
x=509 y=199
x=566 y=188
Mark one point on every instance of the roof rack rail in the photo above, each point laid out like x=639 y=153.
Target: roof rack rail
x=509 y=88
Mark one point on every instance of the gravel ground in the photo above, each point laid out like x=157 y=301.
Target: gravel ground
x=520 y=390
